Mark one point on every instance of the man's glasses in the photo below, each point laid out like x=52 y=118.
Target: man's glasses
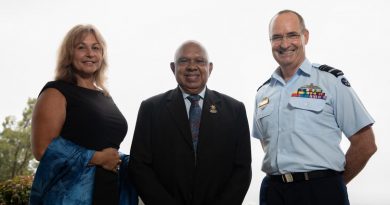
x=293 y=36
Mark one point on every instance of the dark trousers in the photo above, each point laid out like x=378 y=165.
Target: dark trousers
x=106 y=191
x=324 y=191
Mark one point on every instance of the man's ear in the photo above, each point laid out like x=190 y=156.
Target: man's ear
x=210 y=67
x=173 y=67
x=306 y=34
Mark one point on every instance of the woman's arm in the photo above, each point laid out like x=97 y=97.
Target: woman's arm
x=47 y=120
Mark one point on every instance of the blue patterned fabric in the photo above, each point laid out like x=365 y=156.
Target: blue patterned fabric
x=194 y=118
x=128 y=194
x=64 y=177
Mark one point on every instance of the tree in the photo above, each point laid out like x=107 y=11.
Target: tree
x=15 y=146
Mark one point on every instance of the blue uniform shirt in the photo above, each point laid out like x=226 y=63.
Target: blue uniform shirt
x=300 y=122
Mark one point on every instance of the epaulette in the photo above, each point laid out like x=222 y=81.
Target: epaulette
x=336 y=73
x=269 y=80
x=331 y=70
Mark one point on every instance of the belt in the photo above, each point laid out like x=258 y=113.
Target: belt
x=303 y=176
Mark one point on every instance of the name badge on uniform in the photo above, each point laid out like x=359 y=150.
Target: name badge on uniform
x=264 y=102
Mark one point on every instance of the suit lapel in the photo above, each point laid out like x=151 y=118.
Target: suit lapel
x=210 y=112
x=177 y=109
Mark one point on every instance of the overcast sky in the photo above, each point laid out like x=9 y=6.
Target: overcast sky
x=142 y=37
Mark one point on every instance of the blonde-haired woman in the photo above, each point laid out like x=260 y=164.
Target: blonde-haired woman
x=77 y=128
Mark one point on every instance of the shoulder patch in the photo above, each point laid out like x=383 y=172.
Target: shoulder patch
x=266 y=82
x=345 y=82
x=331 y=70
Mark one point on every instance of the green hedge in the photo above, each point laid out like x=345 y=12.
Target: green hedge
x=15 y=191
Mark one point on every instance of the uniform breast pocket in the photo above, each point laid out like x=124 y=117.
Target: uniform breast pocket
x=265 y=120
x=308 y=104
x=306 y=112
x=264 y=112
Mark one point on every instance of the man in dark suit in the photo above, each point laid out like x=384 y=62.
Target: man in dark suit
x=176 y=160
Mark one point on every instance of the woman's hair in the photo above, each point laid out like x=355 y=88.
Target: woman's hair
x=65 y=70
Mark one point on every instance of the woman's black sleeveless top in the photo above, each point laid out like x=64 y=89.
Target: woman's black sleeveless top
x=94 y=122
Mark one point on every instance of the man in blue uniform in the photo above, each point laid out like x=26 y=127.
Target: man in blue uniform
x=300 y=114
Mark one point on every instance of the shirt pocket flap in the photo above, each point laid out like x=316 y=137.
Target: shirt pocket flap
x=263 y=112
x=311 y=104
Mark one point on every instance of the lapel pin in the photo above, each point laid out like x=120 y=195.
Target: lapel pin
x=213 y=109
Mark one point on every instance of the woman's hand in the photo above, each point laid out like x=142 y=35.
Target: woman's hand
x=107 y=158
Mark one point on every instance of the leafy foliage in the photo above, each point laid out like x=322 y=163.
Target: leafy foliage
x=16 y=191
x=15 y=146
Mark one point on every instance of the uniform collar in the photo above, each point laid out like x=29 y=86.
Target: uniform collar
x=304 y=69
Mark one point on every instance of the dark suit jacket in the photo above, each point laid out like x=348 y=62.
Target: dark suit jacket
x=162 y=163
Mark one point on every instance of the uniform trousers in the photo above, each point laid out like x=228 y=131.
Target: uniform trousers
x=329 y=190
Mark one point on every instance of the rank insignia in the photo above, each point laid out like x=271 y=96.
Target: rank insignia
x=264 y=102
x=213 y=109
x=310 y=91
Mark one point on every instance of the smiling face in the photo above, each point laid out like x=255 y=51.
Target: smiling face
x=87 y=56
x=288 y=40
x=191 y=67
